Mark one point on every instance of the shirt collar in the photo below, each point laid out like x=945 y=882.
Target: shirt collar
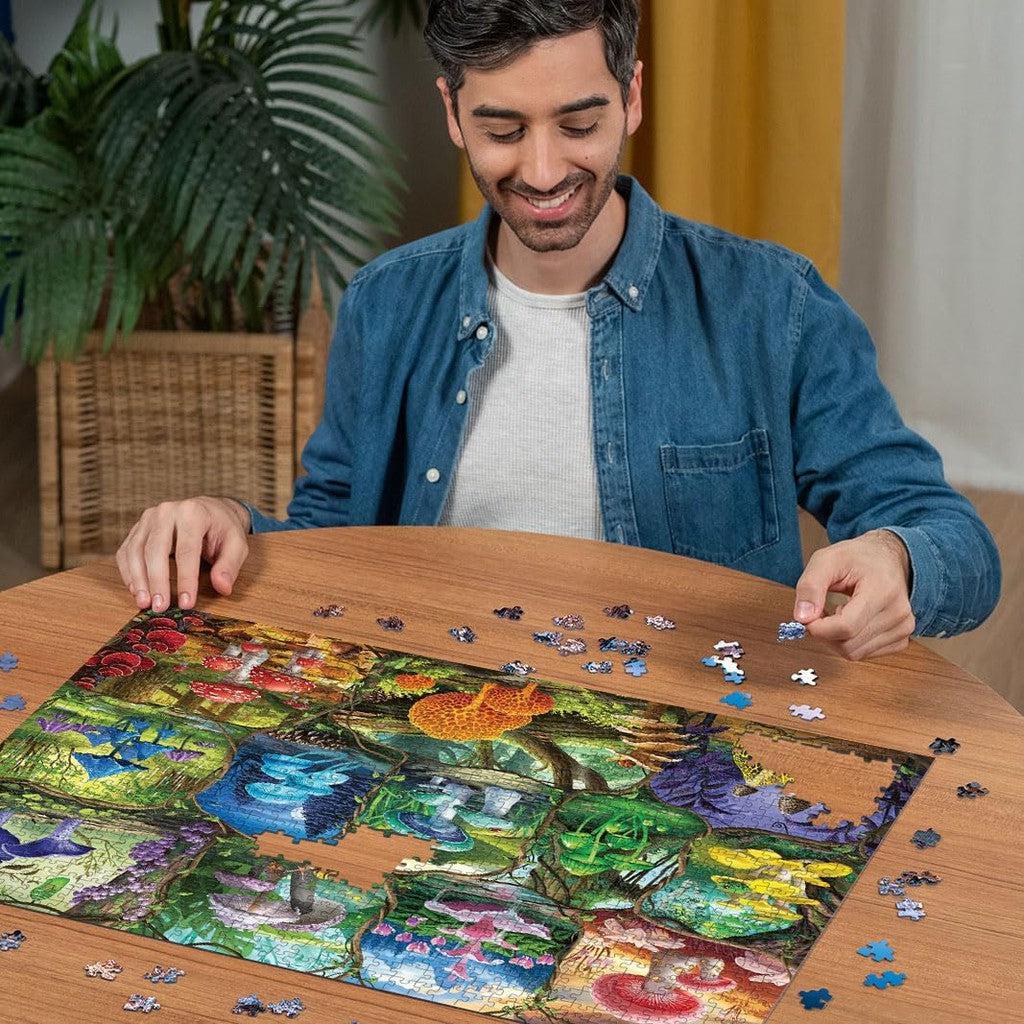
x=628 y=277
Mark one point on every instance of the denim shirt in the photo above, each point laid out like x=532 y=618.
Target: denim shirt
x=729 y=385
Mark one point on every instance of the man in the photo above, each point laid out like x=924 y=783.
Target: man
x=578 y=362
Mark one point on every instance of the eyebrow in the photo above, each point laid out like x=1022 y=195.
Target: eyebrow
x=505 y=113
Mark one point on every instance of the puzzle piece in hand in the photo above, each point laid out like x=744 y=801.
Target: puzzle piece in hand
x=815 y=998
x=910 y=908
x=791 y=631
x=885 y=979
x=288 y=1007
x=887 y=887
x=969 y=789
x=924 y=838
x=17 y=703
x=11 y=940
x=635 y=666
x=737 y=699
x=138 y=1003
x=878 y=950
x=108 y=970
x=941 y=746
x=805 y=677
x=806 y=712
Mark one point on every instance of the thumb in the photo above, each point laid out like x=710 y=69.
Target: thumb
x=228 y=562
x=812 y=588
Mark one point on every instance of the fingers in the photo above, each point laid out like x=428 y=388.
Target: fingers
x=188 y=552
x=232 y=553
x=886 y=641
x=827 y=570
x=849 y=621
x=156 y=553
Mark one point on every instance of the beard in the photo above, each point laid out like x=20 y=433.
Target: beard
x=551 y=236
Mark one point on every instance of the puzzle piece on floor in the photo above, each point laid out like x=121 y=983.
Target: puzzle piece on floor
x=516 y=668
x=635 y=666
x=602 y=667
x=924 y=838
x=11 y=940
x=8 y=662
x=885 y=979
x=574 y=645
x=916 y=878
x=806 y=712
x=573 y=622
x=249 y=1005
x=737 y=699
x=805 y=677
x=878 y=950
x=659 y=622
x=734 y=677
x=971 y=790
x=815 y=998
x=15 y=702
x=729 y=648
x=463 y=634
x=288 y=1007
x=168 y=975
x=108 y=970
x=941 y=746
x=910 y=908
x=548 y=637
x=618 y=611
x=887 y=887
x=329 y=611
x=138 y=1003
x=391 y=623
x=514 y=614
x=791 y=631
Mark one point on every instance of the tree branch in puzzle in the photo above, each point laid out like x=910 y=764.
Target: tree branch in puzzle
x=584 y=857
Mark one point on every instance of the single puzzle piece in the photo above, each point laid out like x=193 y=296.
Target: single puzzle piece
x=15 y=702
x=288 y=1007
x=815 y=998
x=734 y=677
x=885 y=979
x=574 y=645
x=548 y=637
x=514 y=614
x=878 y=950
x=887 y=887
x=329 y=611
x=941 y=746
x=806 y=712
x=11 y=940
x=516 y=668
x=916 y=878
x=463 y=634
x=731 y=648
x=659 y=622
x=391 y=624
x=138 y=1003
x=805 y=677
x=925 y=838
x=791 y=631
x=618 y=611
x=737 y=699
x=910 y=908
x=168 y=975
x=249 y=1005
x=635 y=666
x=8 y=662
x=108 y=970
x=968 y=789
x=601 y=667
x=711 y=661
x=572 y=622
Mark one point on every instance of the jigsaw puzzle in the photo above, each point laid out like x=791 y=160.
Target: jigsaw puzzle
x=582 y=857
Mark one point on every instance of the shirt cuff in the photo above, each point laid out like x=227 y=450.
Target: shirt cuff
x=928 y=577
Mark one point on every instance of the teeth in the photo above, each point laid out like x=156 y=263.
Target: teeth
x=550 y=204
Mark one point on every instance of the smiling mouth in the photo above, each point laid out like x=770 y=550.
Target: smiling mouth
x=551 y=204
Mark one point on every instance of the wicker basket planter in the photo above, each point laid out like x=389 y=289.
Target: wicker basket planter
x=166 y=415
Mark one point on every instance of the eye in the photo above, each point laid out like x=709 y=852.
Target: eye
x=514 y=136
x=579 y=133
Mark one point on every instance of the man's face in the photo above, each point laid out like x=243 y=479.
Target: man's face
x=544 y=137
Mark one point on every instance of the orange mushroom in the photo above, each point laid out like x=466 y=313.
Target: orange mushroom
x=414 y=683
x=463 y=716
x=511 y=700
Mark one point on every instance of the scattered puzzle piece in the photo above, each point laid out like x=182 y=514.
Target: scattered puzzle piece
x=660 y=622
x=11 y=940
x=806 y=712
x=925 y=838
x=8 y=662
x=815 y=998
x=730 y=648
x=251 y=1006
x=971 y=790
x=737 y=699
x=168 y=975
x=391 y=623
x=635 y=666
x=463 y=634
x=805 y=677
x=619 y=611
x=574 y=645
x=138 y=1003
x=516 y=668
x=916 y=878
x=108 y=970
x=885 y=979
x=288 y=1007
x=16 y=702
x=910 y=908
x=329 y=611
x=878 y=950
x=941 y=746
x=887 y=887
x=515 y=613
x=598 y=666
x=571 y=622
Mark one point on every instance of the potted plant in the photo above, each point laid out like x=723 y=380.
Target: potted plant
x=167 y=225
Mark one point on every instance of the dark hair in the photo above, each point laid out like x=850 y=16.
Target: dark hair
x=490 y=34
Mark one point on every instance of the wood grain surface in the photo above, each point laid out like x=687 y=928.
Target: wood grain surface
x=962 y=961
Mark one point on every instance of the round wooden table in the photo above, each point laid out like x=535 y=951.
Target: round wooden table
x=962 y=961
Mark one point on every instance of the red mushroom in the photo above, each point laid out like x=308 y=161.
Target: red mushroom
x=223 y=693
x=124 y=663
x=279 y=682
x=221 y=663
x=165 y=640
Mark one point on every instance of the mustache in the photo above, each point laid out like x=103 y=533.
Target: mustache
x=527 y=190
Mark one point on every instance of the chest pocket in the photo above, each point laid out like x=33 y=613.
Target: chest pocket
x=720 y=498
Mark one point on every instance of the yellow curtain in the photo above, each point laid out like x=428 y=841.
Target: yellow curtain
x=743 y=117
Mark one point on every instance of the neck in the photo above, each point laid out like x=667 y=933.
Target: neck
x=568 y=271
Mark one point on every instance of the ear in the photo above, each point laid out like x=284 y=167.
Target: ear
x=634 y=104
x=454 y=129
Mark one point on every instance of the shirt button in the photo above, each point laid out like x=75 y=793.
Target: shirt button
x=482 y=332
x=466 y=321
x=461 y=398
x=633 y=292
x=433 y=475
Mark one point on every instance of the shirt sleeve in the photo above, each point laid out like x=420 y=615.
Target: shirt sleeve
x=858 y=467
x=322 y=496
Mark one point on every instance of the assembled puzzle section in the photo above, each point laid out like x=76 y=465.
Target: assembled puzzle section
x=566 y=854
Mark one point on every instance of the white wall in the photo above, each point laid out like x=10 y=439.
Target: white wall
x=933 y=225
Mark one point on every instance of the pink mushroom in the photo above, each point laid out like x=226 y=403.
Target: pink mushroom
x=764 y=968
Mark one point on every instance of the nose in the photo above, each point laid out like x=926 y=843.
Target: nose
x=543 y=168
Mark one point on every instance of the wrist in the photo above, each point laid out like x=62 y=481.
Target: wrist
x=894 y=542
x=240 y=512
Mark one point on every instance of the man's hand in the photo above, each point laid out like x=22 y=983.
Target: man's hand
x=874 y=569
x=204 y=527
